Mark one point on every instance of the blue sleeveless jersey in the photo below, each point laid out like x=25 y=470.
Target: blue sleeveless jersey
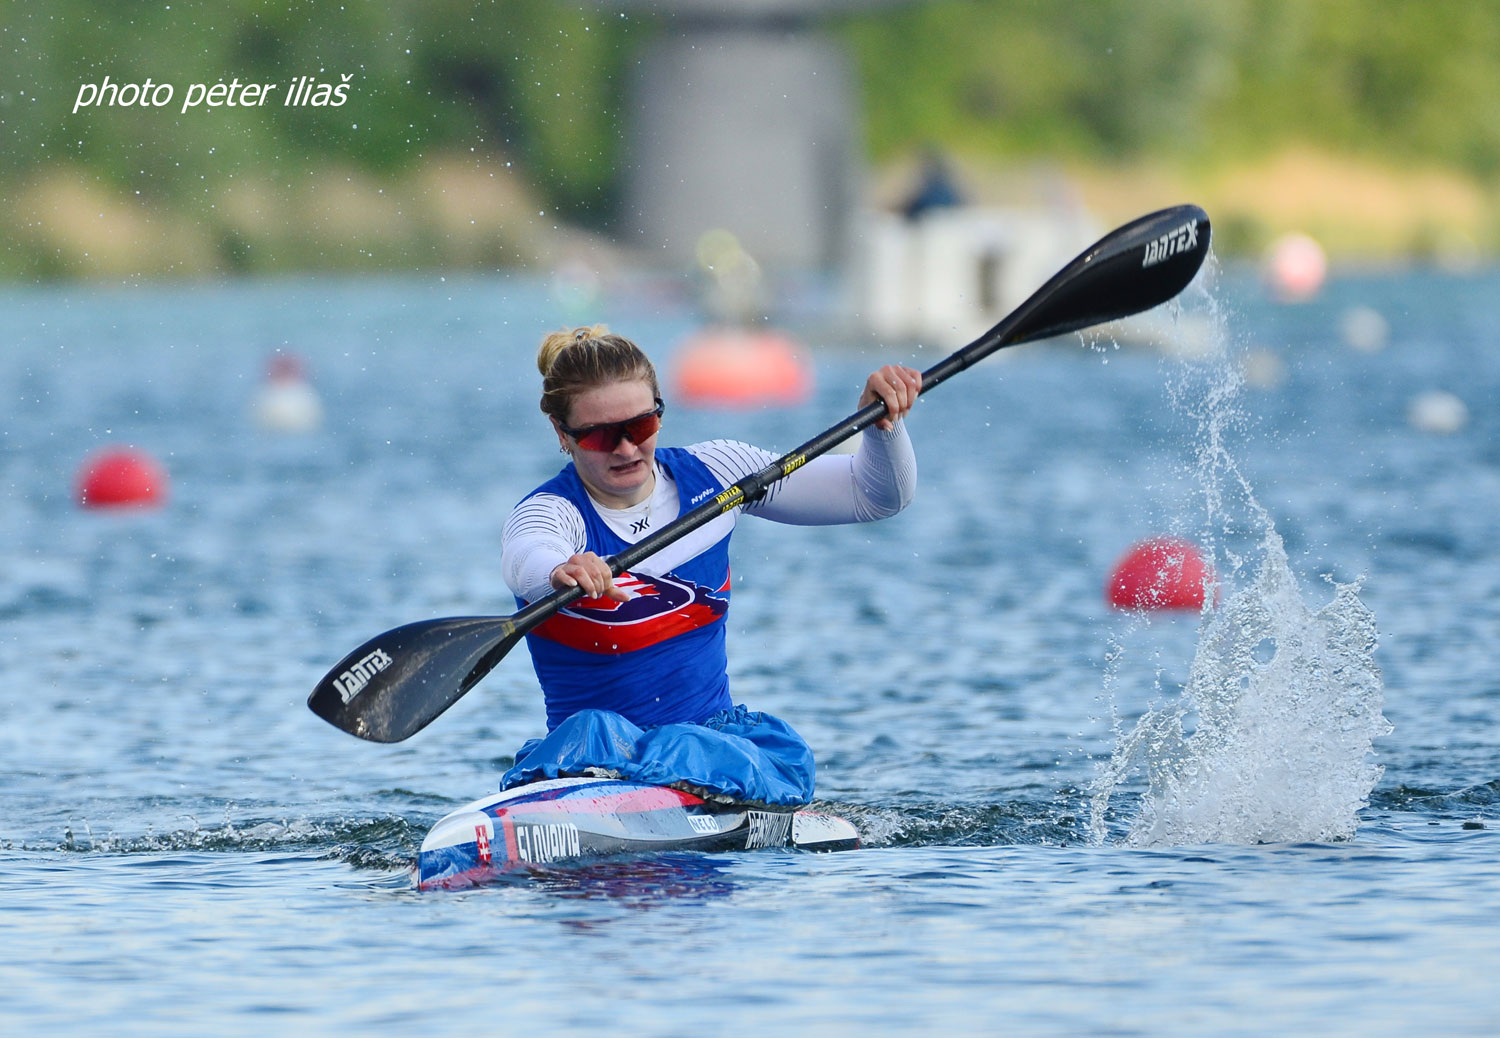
x=657 y=659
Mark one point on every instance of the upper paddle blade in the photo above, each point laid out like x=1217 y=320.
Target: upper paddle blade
x=1142 y=264
x=394 y=684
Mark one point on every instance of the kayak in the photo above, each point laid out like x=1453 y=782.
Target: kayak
x=556 y=820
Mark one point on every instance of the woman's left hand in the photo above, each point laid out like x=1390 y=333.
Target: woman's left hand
x=898 y=386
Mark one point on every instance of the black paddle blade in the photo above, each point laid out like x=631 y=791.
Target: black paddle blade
x=1132 y=269
x=390 y=687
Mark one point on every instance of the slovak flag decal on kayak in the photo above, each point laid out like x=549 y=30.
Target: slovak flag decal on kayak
x=663 y=607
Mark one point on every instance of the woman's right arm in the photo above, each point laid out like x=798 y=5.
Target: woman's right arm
x=541 y=534
x=542 y=550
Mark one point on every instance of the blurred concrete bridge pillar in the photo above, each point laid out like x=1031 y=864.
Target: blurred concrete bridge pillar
x=743 y=116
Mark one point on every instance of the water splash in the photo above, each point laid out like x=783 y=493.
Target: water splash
x=1284 y=703
x=1270 y=738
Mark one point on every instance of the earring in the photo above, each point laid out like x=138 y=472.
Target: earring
x=561 y=449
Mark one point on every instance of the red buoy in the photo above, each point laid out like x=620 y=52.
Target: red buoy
x=1160 y=573
x=119 y=477
x=739 y=368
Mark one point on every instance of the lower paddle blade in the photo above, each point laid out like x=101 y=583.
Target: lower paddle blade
x=393 y=685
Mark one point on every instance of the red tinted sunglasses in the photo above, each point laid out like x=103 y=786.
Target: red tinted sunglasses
x=606 y=436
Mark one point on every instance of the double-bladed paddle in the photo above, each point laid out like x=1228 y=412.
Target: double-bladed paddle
x=393 y=685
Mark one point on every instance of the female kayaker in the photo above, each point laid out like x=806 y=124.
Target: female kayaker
x=634 y=675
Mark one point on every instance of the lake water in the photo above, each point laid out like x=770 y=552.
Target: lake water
x=1076 y=820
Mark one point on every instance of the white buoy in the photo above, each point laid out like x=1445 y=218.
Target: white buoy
x=287 y=402
x=1364 y=329
x=1437 y=411
x=1296 y=267
x=576 y=286
x=1263 y=369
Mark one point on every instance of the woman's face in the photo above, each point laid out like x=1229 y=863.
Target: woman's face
x=621 y=476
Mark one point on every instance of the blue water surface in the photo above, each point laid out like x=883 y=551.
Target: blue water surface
x=185 y=849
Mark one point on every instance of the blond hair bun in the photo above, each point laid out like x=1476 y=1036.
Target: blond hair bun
x=575 y=361
x=555 y=342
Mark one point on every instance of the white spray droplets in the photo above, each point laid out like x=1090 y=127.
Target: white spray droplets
x=1270 y=739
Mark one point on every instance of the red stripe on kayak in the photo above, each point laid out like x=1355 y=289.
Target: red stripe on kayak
x=509 y=828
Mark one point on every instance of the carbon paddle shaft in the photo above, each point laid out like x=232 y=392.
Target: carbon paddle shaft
x=398 y=682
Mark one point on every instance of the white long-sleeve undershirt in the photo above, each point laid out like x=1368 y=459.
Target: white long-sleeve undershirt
x=877 y=481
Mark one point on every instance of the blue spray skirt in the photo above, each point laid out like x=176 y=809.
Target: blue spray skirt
x=559 y=820
x=737 y=753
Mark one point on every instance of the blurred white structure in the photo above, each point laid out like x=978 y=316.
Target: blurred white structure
x=948 y=275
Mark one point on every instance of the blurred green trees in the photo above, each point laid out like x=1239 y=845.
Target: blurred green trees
x=1204 y=79
x=538 y=84
x=533 y=79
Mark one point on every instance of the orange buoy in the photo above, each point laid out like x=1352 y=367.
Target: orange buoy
x=741 y=368
x=1160 y=573
x=121 y=477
